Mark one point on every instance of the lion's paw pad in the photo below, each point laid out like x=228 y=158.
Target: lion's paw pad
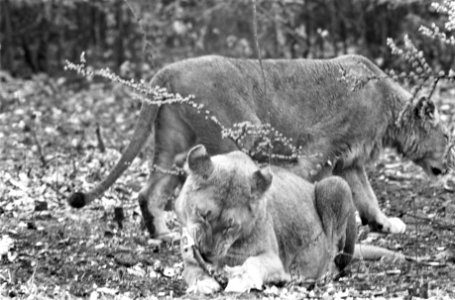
x=205 y=286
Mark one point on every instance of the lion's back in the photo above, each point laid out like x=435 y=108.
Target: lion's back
x=339 y=105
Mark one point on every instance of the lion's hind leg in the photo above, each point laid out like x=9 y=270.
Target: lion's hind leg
x=173 y=138
x=333 y=200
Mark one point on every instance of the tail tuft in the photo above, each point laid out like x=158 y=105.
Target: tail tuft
x=77 y=200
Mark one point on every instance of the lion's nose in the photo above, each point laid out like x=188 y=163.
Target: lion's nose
x=436 y=171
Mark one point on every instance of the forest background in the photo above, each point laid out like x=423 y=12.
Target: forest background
x=37 y=36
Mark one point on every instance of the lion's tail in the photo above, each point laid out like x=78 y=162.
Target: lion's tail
x=142 y=131
x=371 y=252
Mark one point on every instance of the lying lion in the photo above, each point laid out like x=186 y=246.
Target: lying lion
x=346 y=109
x=265 y=224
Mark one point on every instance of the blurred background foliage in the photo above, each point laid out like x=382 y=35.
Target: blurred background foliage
x=36 y=36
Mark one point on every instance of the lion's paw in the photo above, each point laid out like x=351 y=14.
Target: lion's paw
x=241 y=281
x=395 y=225
x=204 y=286
x=241 y=285
x=235 y=271
x=388 y=225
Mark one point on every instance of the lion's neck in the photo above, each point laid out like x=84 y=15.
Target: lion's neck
x=399 y=131
x=399 y=136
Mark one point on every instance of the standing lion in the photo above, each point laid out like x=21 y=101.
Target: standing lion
x=346 y=109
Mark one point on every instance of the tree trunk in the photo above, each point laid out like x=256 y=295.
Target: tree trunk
x=6 y=50
x=120 y=34
x=334 y=21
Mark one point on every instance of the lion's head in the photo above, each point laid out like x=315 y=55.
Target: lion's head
x=221 y=200
x=426 y=140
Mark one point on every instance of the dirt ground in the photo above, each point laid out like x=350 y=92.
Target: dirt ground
x=49 y=148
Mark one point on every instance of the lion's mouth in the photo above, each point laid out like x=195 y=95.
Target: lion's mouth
x=207 y=256
x=433 y=169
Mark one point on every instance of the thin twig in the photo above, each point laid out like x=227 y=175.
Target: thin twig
x=433 y=86
x=101 y=146
x=38 y=146
x=256 y=44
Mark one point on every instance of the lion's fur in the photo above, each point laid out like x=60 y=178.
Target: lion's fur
x=345 y=109
x=236 y=212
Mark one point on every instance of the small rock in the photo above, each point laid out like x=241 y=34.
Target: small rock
x=158 y=267
x=154 y=242
x=449 y=185
x=169 y=272
x=31 y=225
x=444 y=107
x=393 y=272
x=6 y=243
x=450 y=210
x=94 y=295
x=272 y=290
x=152 y=274
x=106 y=290
x=99 y=246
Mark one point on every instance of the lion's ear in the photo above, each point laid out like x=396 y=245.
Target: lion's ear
x=199 y=161
x=425 y=109
x=262 y=179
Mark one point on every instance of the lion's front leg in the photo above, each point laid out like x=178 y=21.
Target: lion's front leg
x=367 y=204
x=256 y=271
x=199 y=282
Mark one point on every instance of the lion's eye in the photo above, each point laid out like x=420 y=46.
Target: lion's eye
x=201 y=214
x=231 y=224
